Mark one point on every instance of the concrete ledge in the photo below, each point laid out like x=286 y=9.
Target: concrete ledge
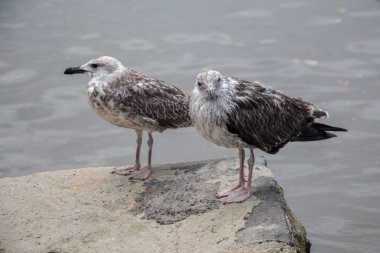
x=92 y=210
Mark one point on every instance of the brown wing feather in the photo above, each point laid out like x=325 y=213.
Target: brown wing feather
x=266 y=118
x=170 y=112
x=154 y=99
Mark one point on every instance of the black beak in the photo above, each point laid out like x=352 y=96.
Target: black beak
x=74 y=70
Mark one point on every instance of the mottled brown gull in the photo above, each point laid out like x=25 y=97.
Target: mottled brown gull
x=238 y=114
x=127 y=98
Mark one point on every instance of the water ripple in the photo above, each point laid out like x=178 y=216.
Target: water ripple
x=17 y=76
x=134 y=44
x=79 y=51
x=330 y=225
x=3 y=64
x=71 y=98
x=292 y=5
x=253 y=13
x=372 y=111
x=326 y=21
x=365 y=46
x=14 y=25
x=89 y=36
x=365 y=14
x=213 y=37
x=34 y=112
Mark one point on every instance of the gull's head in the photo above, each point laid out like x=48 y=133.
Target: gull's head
x=99 y=67
x=209 y=84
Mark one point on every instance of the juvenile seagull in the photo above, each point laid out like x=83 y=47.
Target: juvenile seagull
x=238 y=114
x=130 y=99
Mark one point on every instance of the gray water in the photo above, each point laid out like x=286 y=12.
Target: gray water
x=327 y=52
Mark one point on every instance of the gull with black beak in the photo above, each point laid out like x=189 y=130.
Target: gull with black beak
x=234 y=113
x=127 y=98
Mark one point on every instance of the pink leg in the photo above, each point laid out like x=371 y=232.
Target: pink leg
x=247 y=192
x=240 y=186
x=145 y=173
x=126 y=170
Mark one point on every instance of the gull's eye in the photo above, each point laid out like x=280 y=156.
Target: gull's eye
x=94 y=65
x=200 y=84
x=218 y=79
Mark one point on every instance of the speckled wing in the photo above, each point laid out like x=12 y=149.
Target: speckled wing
x=156 y=100
x=265 y=118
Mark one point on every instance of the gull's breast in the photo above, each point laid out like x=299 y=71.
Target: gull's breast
x=210 y=121
x=111 y=109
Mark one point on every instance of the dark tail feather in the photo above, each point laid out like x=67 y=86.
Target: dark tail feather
x=316 y=132
x=327 y=127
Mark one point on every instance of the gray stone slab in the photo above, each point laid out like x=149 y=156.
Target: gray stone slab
x=92 y=210
x=272 y=220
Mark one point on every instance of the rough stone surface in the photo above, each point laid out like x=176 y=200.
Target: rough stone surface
x=272 y=220
x=92 y=210
x=169 y=201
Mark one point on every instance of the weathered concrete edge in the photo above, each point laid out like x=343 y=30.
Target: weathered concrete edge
x=285 y=227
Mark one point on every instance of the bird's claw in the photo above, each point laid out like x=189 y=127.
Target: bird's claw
x=140 y=174
x=125 y=170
